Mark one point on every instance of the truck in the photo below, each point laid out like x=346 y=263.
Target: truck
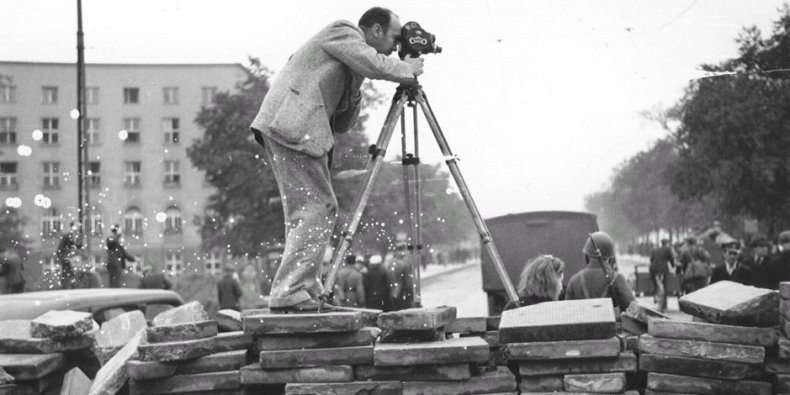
x=521 y=237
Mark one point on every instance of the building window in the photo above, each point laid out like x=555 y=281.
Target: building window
x=172 y=129
x=172 y=172
x=132 y=173
x=7 y=92
x=51 y=222
x=92 y=95
x=170 y=95
x=213 y=263
x=207 y=94
x=50 y=94
x=94 y=174
x=95 y=225
x=133 y=221
x=50 y=128
x=8 y=175
x=132 y=127
x=92 y=133
x=131 y=95
x=51 y=174
x=7 y=131
x=173 y=220
x=173 y=263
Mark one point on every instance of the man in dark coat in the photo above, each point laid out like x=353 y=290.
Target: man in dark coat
x=731 y=269
x=349 y=288
x=757 y=260
x=778 y=267
x=660 y=260
x=599 y=279
x=401 y=280
x=116 y=258
x=229 y=290
x=376 y=290
x=154 y=280
x=68 y=246
x=11 y=270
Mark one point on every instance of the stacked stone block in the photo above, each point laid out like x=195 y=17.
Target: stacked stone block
x=777 y=367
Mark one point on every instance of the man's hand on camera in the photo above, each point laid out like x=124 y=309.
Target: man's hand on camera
x=415 y=64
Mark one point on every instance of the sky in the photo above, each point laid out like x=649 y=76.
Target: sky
x=540 y=100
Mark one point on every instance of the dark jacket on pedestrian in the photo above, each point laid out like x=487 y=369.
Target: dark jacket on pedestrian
x=116 y=254
x=401 y=284
x=11 y=270
x=660 y=259
x=774 y=271
x=66 y=246
x=229 y=292
x=155 y=280
x=376 y=290
x=741 y=274
x=350 y=289
x=590 y=283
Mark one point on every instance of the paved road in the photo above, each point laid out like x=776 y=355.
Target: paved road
x=462 y=289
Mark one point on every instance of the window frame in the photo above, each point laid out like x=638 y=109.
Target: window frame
x=8 y=130
x=172 y=172
x=51 y=174
x=50 y=127
x=9 y=180
x=133 y=177
x=49 y=94
x=131 y=95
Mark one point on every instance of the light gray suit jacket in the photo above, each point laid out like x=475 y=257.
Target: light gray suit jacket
x=317 y=92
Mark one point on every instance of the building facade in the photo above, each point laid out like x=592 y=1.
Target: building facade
x=140 y=121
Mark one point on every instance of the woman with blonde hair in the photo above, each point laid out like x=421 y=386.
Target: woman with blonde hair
x=541 y=280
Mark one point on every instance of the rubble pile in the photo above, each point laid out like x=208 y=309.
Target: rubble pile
x=567 y=347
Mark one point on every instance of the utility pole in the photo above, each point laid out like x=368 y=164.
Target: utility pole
x=83 y=199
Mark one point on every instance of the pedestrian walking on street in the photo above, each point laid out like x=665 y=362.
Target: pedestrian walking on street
x=377 y=294
x=154 y=280
x=11 y=271
x=661 y=260
x=229 y=289
x=69 y=245
x=315 y=95
x=540 y=281
x=400 y=279
x=116 y=257
x=599 y=279
x=349 y=288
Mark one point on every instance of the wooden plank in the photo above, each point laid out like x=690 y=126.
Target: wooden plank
x=283 y=359
x=187 y=383
x=362 y=337
x=595 y=382
x=301 y=323
x=702 y=349
x=561 y=320
x=26 y=367
x=255 y=375
x=700 y=367
x=541 y=384
x=765 y=337
x=571 y=349
x=705 y=386
x=467 y=325
x=449 y=372
x=625 y=362
x=350 y=388
x=456 y=350
x=417 y=318
x=728 y=302
x=500 y=380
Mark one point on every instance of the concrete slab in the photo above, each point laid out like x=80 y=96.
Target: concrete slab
x=229 y=341
x=115 y=333
x=283 y=359
x=350 y=388
x=229 y=320
x=417 y=318
x=200 y=382
x=255 y=375
x=727 y=302
x=75 y=382
x=15 y=339
x=541 y=384
x=182 y=331
x=766 y=337
x=363 y=337
x=561 y=320
x=572 y=349
x=301 y=323
x=456 y=350
x=467 y=325
x=61 y=324
x=596 y=382
x=449 y=372
x=25 y=367
x=500 y=380
x=699 y=367
x=176 y=351
x=705 y=386
x=702 y=349
x=113 y=375
x=412 y=336
x=189 y=312
x=626 y=362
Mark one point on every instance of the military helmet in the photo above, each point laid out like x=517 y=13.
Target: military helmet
x=599 y=245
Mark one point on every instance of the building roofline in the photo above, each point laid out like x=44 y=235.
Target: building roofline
x=15 y=62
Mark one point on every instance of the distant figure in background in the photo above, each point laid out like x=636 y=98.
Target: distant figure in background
x=778 y=267
x=229 y=290
x=69 y=244
x=731 y=269
x=349 y=287
x=377 y=294
x=599 y=279
x=540 y=281
x=154 y=280
x=401 y=280
x=757 y=260
x=661 y=259
x=251 y=295
x=116 y=257
x=11 y=271
x=85 y=276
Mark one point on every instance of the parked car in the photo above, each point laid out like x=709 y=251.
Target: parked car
x=103 y=303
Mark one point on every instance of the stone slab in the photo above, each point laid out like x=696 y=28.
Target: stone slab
x=25 y=367
x=61 y=324
x=599 y=348
x=499 y=380
x=560 y=320
x=255 y=375
x=702 y=349
x=643 y=313
x=778 y=366
x=176 y=351
x=784 y=308
x=229 y=341
x=596 y=382
x=727 y=302
x=113 y=375
x=182 y=331
x=282 y=359
x=75 y=382
x=219 y=362
x=705 y=386
x=212 y=381
x=417 y=318
x=699 y=367
x=456 y=350
x=467 y=325
x=449 y=372
x=412 y=336
x=46 y=385
x=541 y=384
x=370 y=317
x=630 y=392
x=363 y=337
x=350 y=388
x=625 y=362
x=628 y=342
x=116 y=332
x=765 y=337
x=149 y=370
x=256 y=311
x=784 y=289
x=302 y=323
x=189 y=312
x=781 y=383
x=229 y=320
x=631 y=324
x=783 y=348
x=15 y=339
x=5 y=378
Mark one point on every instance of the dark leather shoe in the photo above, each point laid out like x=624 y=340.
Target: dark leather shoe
x=307 y=307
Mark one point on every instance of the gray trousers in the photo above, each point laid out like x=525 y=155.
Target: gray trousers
x=310 y=209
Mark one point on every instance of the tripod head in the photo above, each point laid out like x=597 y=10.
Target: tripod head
x=415 y=41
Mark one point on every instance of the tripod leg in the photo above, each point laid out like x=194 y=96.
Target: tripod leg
x=417 y=237
x=406 y=162
x=485 y=235
x=365 y=188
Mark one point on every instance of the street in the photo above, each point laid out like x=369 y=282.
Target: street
x=462 y=289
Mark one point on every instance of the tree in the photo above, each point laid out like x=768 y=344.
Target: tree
x=735 y=132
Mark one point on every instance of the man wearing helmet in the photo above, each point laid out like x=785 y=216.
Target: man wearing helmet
x=599 y=279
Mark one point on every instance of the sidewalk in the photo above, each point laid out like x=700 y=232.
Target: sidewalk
x=435 y=269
